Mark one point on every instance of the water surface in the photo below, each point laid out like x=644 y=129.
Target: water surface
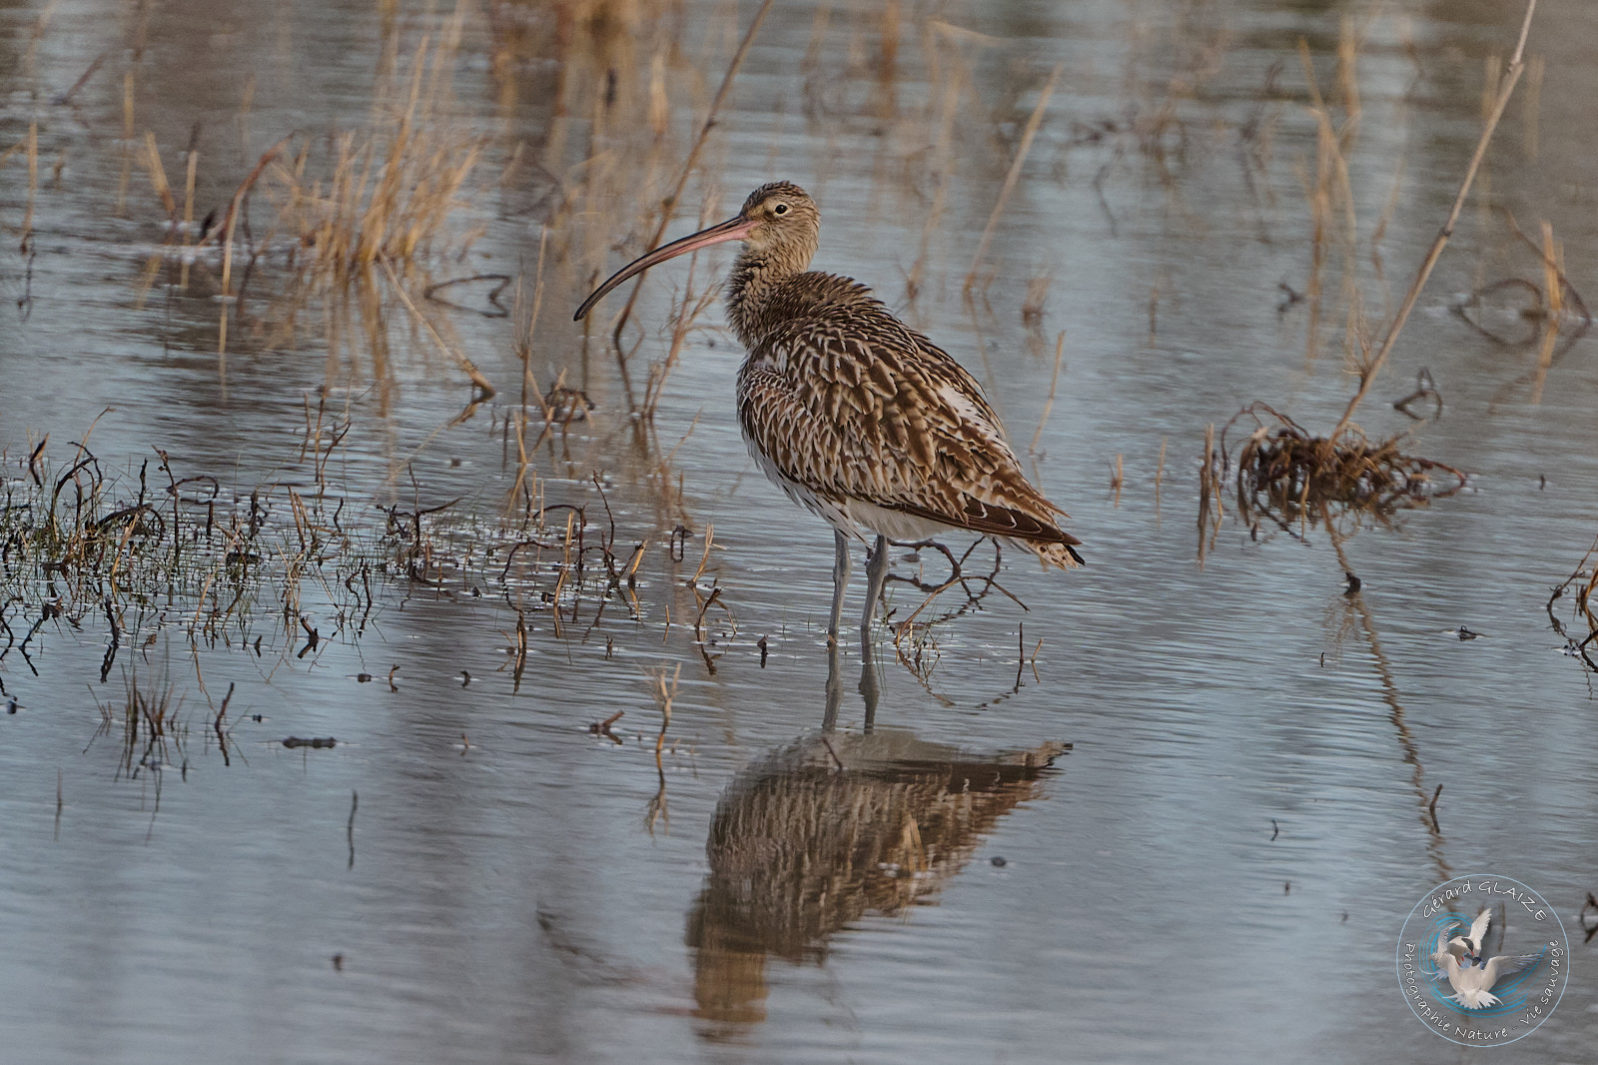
x=1235 y=822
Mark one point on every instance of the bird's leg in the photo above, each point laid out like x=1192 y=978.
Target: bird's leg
x=829 y=720
x=840 y=581
x=876 y=575
x=868 y=678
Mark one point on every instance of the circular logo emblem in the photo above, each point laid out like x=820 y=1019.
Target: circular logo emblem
x=1483 y=960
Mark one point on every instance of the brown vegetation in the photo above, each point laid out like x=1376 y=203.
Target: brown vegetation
x=1288 y=474
x=1582 y=589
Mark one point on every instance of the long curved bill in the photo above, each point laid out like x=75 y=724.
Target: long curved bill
x=735 y=228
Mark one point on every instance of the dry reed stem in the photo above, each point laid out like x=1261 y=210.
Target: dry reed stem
x=189 y=176
x=1585 y=583
x=243 y=189
x=1332 y=184
x=1368 y=373
x=688 y=311
x=524 y=341
x=663 y=695
x=1553 y=262
x=1549 y=313
x=127 y=142
x=1379 y=234
x=942 y=150
x=1054 y=381
x=1028 y=134
x=704 y=557
x=152 y=158
x=689 y=162
x=485 y=388
x=227 y=276
x=33 y=184
x=1585 y=595
x=1552 y=268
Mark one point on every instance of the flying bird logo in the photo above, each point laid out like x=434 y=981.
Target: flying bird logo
x=1461 y=957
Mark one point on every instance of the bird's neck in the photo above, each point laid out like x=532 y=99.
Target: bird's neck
x=751 y=285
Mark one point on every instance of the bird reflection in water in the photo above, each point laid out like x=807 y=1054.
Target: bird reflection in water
x=830 y=828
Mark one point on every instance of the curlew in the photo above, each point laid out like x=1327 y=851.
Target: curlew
x=857 y=417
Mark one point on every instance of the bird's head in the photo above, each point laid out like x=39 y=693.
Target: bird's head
x=1462 y=948
x=779 y=223
x=782 y=224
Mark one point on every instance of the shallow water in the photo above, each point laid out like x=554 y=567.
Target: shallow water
x=1216 y=868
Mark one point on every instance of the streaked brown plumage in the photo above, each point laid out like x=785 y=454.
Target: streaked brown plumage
x=857 y=417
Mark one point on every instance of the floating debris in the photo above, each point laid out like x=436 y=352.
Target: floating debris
x=602 y=728
x=1288 y=476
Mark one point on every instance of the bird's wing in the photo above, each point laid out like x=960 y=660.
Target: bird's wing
x=1488 y=931
x=1507 y=965
x=1478 y=927
x=858 y=406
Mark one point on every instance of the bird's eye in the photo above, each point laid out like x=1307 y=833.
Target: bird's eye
x=781 y=208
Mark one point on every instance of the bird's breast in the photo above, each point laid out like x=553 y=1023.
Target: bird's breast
x=767 y=356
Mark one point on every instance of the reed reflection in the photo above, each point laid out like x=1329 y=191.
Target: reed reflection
x=831 y=828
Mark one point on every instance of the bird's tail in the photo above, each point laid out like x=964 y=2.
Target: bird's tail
x=1473 y=999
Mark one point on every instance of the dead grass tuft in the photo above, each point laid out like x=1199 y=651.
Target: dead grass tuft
x=384 y=192
x=1290 y=477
